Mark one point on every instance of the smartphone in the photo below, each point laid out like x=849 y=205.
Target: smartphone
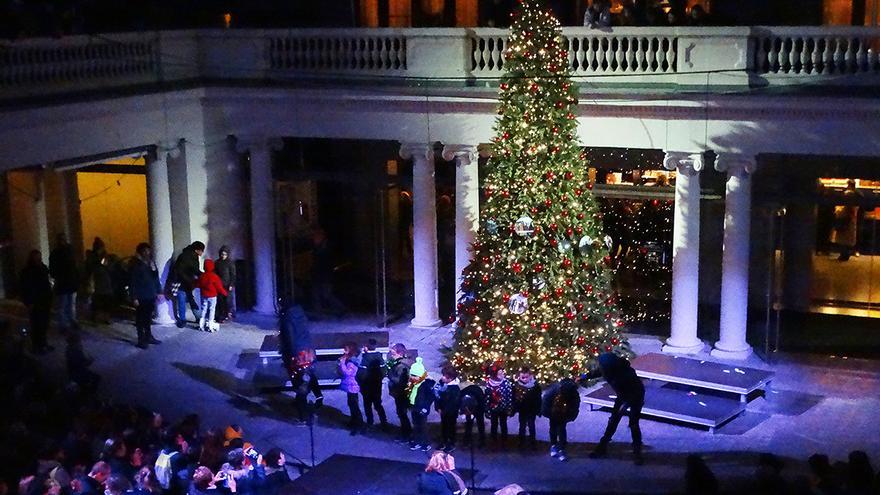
x=251 y=453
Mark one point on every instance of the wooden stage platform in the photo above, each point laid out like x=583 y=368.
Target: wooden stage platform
x=691 y=391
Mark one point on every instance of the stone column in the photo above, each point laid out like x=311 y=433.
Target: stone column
x=159 y=210
x=262 y=193
x=427 y=314
x=685 y=252
x=467 y=206
x=735 y=260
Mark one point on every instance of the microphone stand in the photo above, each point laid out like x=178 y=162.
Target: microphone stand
x=473 y=471
x=312 y=431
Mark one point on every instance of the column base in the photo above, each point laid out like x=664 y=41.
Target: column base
x=264 y=310
x=731 y=355
x=692 y=348
x=426 y=323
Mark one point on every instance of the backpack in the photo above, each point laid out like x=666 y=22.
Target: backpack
x=164 y=470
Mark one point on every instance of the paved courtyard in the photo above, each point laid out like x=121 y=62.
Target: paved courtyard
x=817 y=404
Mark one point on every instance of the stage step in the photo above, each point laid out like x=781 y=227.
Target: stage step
x=702 y=374
x=327 y=343
x=685 y=406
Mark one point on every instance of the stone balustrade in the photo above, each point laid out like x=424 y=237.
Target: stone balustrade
x=672 y=58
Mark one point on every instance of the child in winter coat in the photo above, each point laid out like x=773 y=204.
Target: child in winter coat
x=210 y=285
x=305 y=381
x=421 y=397
x=398 y=378
x=473 y=407
x=348 y=367
x=527 y=404
x=561 y=404
x=447 y=403
x=499 y=401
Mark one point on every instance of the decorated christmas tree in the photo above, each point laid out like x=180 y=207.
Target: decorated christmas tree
x=537 y=291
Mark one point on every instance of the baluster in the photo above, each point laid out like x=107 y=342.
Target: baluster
x=828 y=56
x=838 y=57
x=662 y=64
x=862 y=56
x=602 y=56
x=579 y=53
x=570 y=55
x=650 y=55
x=617 y=46
x=486 y=55
x=850 y=55
x=805 y=55
x=631 y=52
x=773 y=56
x=670 y=54
x=589 y=54
x=793 y=55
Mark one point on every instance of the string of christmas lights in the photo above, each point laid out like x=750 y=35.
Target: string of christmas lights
x=538 y=289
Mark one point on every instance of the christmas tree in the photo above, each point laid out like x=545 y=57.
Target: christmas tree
x=537 y=291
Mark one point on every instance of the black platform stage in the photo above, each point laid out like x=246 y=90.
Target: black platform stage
x=351 y=475
x=690 y=390
x=328 y=340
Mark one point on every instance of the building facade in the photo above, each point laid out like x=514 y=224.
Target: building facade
x=213 y=119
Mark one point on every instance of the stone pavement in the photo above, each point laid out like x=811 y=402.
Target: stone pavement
x=817 y=404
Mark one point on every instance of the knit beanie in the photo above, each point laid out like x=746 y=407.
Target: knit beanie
x=417 y=369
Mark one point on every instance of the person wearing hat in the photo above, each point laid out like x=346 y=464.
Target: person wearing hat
x=630 y=396
x=421 y=397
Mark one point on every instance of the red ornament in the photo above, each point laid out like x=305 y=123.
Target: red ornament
x=607 y=316
x=484 y=342
x=589 y=288
x=569 y=231
x=580 y=306
x=550 y=176
x=539 y=268
x=564 y=213
x=559 y=104
x=520 y=350
x=553 y=242
x=595 y=350
x=579 y=229
x=487 y=191
x=619 y=323
x=490 y=323
x=505 y=193
x=545 y=326
x=575 y=367
x=485 y=278
x=655 y=203
x=581 y=340
x=607 y=259
x=559 y=291
x=608 y=348
x=548 y=202
x=590 y=186
x=566 y=262
x=578 y=192
x=508 y=330
x=560 y=352
x=568 y=175
x=517 y=267
x=553 y=226
x=568 y=282
x=615 y=341
x=505 y=297
x=569 y=315
x=580 y=216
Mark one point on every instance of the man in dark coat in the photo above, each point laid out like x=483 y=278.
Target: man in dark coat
x=187 y=270
x=560 y=403
x=630 y=395
x=145 y=288
x=369 y=376
x=62 y=267
x=294 y=331
x=398 y=378
x=36 y=294
x=224 y=267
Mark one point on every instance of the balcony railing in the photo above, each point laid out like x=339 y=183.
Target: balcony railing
x=704 y=57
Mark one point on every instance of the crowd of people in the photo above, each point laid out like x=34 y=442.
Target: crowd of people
x=362 y=370
x=645 y=13
x=63 y=440
x=138 y=286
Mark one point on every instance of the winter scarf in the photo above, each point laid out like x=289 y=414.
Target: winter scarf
x=528 y=384
x=413 y=388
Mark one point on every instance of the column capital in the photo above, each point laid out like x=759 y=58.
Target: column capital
x=737 y=164
x=245 y=143
x=170 y=146
x=417 y=150
x=684 y=162
x=463 y=154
